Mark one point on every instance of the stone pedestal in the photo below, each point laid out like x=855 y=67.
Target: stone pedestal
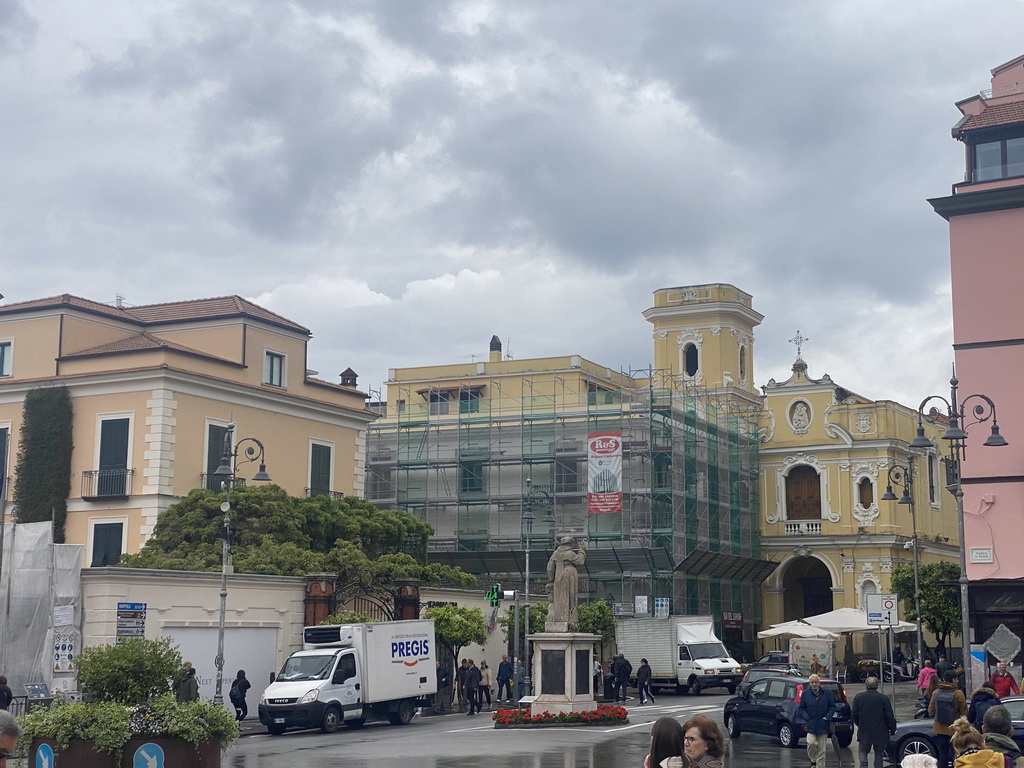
x=563 y=672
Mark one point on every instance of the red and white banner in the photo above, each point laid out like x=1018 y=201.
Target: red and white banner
x=604 y=472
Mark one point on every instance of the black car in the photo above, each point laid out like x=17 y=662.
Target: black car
x=915 y=737
x=753 y=674
x=769 y=707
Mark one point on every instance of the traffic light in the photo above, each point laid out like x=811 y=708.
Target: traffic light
x=494 y=594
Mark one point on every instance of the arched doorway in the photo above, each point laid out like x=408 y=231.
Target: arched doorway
x=807 y=586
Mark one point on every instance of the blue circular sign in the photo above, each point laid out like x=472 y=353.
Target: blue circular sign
x=148 y=756
x=44 y=756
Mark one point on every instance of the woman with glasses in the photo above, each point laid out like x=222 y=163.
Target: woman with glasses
x=667 y=748
x=705 y=745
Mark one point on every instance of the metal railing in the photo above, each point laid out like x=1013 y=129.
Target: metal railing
x=107 y=483
x=213 y=482
x=311 y=492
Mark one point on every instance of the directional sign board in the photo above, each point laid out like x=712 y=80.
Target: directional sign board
x=883 y=610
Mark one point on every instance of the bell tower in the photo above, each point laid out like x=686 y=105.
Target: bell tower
x=704 y=335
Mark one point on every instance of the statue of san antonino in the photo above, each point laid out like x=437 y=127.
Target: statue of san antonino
x=564 y=586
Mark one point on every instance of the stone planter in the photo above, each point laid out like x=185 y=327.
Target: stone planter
x=165 y=752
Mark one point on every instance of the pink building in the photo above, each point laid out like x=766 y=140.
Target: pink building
x=986 y=233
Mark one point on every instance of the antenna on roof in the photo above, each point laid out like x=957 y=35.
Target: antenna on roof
x=508 y=349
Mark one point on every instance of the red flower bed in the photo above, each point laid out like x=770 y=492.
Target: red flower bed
x=603 y=714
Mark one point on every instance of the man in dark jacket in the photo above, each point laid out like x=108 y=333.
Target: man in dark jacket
x=505 y=679
x=983 y=698
x=622 y=669
x=816 y=709
x=443 y=681
x=998 y=733
x=473 y=678
x=643 y=681
x=875 y=721
x=460 y=684
x=943 y=667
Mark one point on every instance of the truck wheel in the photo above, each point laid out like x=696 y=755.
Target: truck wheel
x=275 y=730
x=355 y=722
x=403 y=714
x=732 y=726
x=694 y=686
x=731 y=689
x=332 y=718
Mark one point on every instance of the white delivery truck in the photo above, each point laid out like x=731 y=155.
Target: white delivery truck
x=683 y=652
x=352 y=673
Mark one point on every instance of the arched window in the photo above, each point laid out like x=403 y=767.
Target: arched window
x=865 y=492
x=803 y=494
x=867 y=587
x=691 y=359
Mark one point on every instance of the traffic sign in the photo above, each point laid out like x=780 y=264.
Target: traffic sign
x=883 y=610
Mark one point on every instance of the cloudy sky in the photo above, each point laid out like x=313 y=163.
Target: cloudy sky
x=409 y=178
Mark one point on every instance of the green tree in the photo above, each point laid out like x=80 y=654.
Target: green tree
x=940 y=603
x=597 y=619
x=131 y=673
x=455 y=627
x=42 y=475
x=507 y=622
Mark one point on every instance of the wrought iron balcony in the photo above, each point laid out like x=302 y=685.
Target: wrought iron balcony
x=107 y=484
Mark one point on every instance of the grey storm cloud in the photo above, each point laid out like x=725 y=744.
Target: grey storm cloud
x=447 y=170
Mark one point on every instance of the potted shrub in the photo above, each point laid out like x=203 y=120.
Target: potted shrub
x=127 y=708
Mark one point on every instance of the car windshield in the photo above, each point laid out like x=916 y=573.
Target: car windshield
x=708 y=651
x=306 y=668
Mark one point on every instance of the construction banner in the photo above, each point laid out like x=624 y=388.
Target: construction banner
x=604 y=472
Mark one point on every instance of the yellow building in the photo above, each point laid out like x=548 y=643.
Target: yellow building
x=825 y=457
x=153 y=389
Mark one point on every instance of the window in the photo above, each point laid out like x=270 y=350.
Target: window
x=438 y=403
x=215 y=434
x=469 y=402
x=777 y=689
x=1001 y=159
x=113 y=466
x=803 y=494
x=933 y=477
x=471 y=477
x=6 y=357
x=5 y=440
x=273 y=369
x=743 y=363
x=691 y=359
x=106 y=544
x=401 y=406
x=567 y=476
x=379 y=484
x=865 y=492
x=319 y=469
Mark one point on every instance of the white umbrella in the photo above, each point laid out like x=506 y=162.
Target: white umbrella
x=852 y=620
x=797 y=629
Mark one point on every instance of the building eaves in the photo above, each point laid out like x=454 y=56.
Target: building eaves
x=144 y=342
x=994 y=116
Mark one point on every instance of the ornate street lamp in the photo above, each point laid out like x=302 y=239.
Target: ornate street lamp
x=956 y=434
x=228 y=463
x=900 y=475
x=533 y=497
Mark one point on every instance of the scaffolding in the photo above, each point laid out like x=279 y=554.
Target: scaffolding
x=460 y=461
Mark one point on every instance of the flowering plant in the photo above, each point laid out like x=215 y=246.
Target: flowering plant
x=603 y=714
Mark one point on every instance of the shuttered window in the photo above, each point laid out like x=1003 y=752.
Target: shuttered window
x=106 y=544
x=113 y=457
x=215 y=434
x=319 y=470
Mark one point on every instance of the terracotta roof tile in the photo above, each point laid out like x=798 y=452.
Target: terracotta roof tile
x=995 y=115
x=155 y=314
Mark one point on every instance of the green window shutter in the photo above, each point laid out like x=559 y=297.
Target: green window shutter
x=320 y=470
x=5 y=436
x=214 y=452
x=106 y=544
x=113 y=457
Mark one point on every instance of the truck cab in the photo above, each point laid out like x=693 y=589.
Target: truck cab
x=707 y=665
x=317 y=688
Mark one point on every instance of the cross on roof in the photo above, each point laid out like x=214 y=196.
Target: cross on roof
x=799 y=341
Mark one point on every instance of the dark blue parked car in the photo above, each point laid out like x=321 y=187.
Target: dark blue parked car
x=915 y=737
x=769 y=707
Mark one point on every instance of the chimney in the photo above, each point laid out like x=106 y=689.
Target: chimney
x=348 y=378
x=495 y=356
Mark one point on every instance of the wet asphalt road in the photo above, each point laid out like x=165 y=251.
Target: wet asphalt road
x=457 y=741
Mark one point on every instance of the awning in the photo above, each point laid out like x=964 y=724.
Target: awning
x=603 y=560
x=722 y=565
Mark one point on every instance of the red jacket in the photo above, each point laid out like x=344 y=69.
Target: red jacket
x=1005 y=684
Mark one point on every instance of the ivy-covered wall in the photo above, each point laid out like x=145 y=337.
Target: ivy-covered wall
x=42 y=477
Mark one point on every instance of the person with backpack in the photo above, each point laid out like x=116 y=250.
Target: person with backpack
x=997 y=730
x=948 y=704
x=983 y=698
x=970 y=749
x=237 y=695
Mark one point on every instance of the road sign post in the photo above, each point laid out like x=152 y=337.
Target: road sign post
x=883 y=611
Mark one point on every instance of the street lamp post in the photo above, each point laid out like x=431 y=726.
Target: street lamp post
x=228 y=463
x=904 y=476
x=532 y=498
x=956 y=411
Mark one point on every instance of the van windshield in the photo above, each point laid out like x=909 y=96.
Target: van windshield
x=306 y=668
x=708 y=650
